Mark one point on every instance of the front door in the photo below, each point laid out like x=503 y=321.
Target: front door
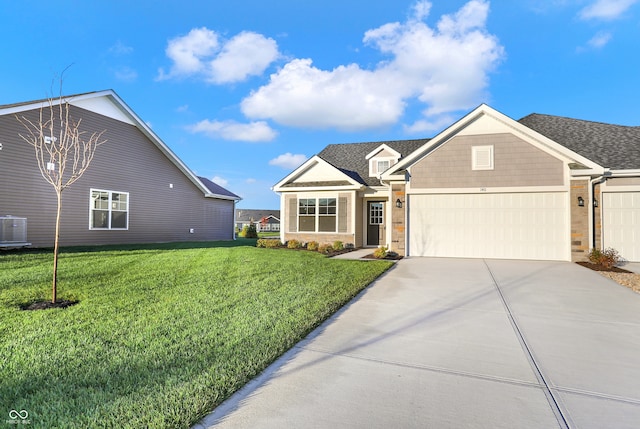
x=375 y=223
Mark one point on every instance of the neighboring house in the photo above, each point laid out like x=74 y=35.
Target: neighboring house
x=136 y=189
x=264 y=220
x=543 y=187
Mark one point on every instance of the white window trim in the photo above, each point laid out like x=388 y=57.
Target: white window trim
x=375 y=172
x=109 y=228
x=317 y=214
x=475 y=159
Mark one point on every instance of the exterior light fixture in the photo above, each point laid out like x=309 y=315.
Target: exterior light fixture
x=398 y=203
x=580 y=202
x=595 y=203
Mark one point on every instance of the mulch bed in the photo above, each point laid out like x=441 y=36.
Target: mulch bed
x=596 y=267
x=392 y=257
x=46 y=305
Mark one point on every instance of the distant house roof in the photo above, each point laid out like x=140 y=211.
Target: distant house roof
x=351 y=158
x=613 y=146
x=216 y=189
x=247 y=215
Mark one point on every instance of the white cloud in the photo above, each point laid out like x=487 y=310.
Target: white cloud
x=445 y=67
x=201 y=54
x=247 y=54
x=120 y=48
x=606 y=9
x=288 y=160
x=125 y=74
x=220 y=181
x=253 y=132
x=599 y=40
x=250 y=180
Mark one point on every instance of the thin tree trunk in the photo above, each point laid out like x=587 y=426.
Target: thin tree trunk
x=54 y=288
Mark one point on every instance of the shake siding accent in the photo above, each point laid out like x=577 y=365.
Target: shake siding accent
x=343 y=215
x=292 y=214
x=128 y=162
x=516 y=163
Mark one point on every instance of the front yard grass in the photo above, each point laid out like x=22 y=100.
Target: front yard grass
x=162 y=334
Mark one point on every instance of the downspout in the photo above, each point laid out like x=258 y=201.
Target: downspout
x=592 y=184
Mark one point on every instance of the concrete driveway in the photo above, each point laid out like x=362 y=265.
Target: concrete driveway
x=460 y=343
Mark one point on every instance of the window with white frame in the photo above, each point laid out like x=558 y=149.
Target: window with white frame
x=109 y=210
x=317 y=215
x=307 y=214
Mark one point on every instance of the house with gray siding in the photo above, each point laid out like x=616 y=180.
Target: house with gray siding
x=488 y=186
x=136 y=189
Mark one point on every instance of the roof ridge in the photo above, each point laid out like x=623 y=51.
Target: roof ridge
x=577 y=120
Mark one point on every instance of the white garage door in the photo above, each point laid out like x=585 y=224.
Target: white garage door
x=505 y=226
x=621 y=223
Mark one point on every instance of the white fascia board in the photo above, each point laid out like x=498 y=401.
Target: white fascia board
x=223 y=197
x=278 y=187
x=321 y=188
x=624 y=173
x=381 y=148
x=531 y=136
x=587 y=172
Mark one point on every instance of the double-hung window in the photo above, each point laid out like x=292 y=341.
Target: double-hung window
x=109 y=210
x=327 y=210
x=307 y=214
x=317 y=214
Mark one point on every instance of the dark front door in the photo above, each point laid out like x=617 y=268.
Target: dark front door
x=375 y=222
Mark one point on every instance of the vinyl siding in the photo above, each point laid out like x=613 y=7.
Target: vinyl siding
x=128 y=162
x=516 y=163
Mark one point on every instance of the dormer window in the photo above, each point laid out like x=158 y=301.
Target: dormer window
x=381 y=159
x=383 y=165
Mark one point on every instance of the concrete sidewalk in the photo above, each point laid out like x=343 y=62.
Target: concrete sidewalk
x=453 y=343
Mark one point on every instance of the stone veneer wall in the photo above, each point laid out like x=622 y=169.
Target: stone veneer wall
x=398 y=219
x=579 y=220
x=320 y=238
x=597 y=217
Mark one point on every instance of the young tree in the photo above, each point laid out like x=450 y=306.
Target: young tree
x=63 y=153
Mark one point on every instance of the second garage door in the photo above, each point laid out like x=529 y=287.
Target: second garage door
x=503 y=226
x=621 y=223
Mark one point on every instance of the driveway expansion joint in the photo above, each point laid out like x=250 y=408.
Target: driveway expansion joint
x=553 y=399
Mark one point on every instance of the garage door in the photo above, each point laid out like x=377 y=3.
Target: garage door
x=505 y=226
x=621 y=223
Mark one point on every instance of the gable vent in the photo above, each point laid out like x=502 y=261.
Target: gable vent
x=482 y=158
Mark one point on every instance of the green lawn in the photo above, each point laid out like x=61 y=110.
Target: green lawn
x=162 y=333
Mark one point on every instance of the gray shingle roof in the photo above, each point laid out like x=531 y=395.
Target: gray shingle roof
x=214 y=188
x=350 y=158
x=247 y=215
x=613 y=146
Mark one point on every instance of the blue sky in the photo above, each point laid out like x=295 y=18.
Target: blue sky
x=244 y=91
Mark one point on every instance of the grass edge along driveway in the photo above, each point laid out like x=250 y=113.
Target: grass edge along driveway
x=162 y=333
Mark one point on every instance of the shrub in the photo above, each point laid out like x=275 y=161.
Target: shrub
x=380 y=252
x=268 y=243
x=349 y=246
x=249 y=231
x=337 y=245
x=325 y=248
x=294 y=244
x=607 y=258
x=312 y=246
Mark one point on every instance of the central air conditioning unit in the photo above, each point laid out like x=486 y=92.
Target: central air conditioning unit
x=13 y=231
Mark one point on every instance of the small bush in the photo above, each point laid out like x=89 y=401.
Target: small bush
x=607 y=258
x=312 y=246
x=380 y=252
x=338 y=245
x=294 y=244
x=249 y=231
x=349 y=246
x=325 y=248
x=268 y=243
